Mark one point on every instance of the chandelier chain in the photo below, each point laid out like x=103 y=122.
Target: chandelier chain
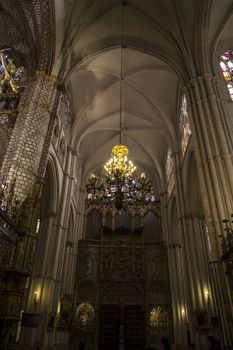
x=120 y=187
x=121 y=69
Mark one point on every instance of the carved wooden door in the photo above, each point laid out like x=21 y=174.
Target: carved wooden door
x=134 y=327
x=109 y=327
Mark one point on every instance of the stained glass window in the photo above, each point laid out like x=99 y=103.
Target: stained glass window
x=226 y=64
x=158 y=320
x=170 y=172
x=184 y=125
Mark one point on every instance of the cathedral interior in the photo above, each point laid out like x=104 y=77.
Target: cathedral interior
x=116 y=180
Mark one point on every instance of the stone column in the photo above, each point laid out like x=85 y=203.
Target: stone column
x=22 y=171
x=213 y=151
x=193 y=261
x=50 y=284
x=213 y=154
x=23 y=157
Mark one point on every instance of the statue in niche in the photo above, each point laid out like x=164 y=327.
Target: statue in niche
x=65 y=311
x=85 y=316
x=19 y=254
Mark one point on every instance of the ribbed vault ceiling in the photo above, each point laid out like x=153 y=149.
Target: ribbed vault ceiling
x=148 y=108
x=27 y=29
x=167 y=44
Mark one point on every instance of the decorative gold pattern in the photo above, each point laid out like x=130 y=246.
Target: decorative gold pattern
x=85 y=316
x=9 y=74
x=158 y=320
x=119 y=162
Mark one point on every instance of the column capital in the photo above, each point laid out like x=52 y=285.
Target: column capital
x=42 y=74
x=174 y=245
x=51 y=78
x=73 y=151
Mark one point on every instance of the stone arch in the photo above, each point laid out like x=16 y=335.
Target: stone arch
x=221 y=41
x=150 y=48
x=47 y=211
x=86 y=291
x=55 y=185
x=121 y=293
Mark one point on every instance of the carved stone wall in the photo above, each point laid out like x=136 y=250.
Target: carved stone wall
x=156 y=275
x=122 y=269
x=121 y=260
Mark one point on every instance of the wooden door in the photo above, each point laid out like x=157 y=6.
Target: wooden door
x=134 y=327
x=109 y=327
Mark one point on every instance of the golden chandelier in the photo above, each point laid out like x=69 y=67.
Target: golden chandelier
x=119 y=162
x=120 y=188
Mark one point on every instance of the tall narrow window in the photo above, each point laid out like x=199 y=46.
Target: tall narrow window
x=226 y=64
x=184 y=125
x=170 y=172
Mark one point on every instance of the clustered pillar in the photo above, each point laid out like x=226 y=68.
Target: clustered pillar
x=23 y=157
x=21 y=173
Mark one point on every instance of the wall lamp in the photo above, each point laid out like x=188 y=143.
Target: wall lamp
x=35 y=300
x=207 y=296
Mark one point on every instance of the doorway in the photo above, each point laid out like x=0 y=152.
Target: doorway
x=125 y=326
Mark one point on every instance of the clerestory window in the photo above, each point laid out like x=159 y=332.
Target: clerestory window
x=226 y=64
x=184 y=125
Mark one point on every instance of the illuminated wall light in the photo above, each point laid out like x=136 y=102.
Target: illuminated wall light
x=35 y=299
x=183 y=313
x=58 y=308
x=207 y=294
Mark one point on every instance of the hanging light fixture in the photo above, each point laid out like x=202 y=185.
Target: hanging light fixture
x=120 y=188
